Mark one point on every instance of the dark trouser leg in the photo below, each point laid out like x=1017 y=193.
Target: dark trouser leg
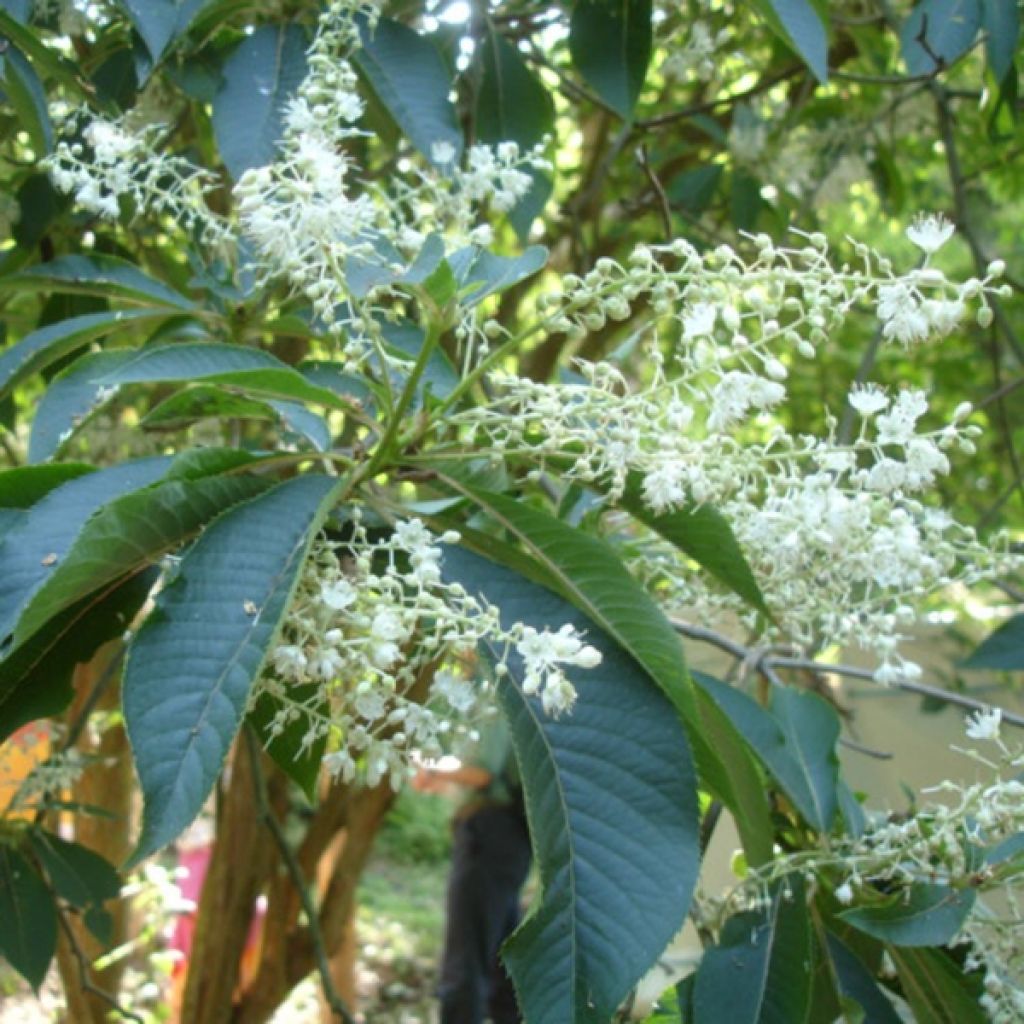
x=489 y=865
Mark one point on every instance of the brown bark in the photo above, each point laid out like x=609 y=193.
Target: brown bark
x=242 y=859
x=107 y=782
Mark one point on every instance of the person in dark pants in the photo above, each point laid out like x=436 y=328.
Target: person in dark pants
x=490 y=862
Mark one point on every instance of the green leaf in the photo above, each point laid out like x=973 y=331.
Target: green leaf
x=1002 y=650
x=410 y=79
x=80 y=388
x=694 y=190
x=704 y=535
x=27 y=96
x=759 y=973
x=211 y=402
x=796 y=744
x=159 y=22
x=106 y=276
x=35 y=681
x=300 y=763
x=855 y=982
x=79 y=875
x=511 y=104
x=259 y=78
x=801 y=26
x=192 y=664
x=728 y=771
x=611 y=801
x=130 y=532
x=33 y=547
x=47 y=345
x=923 y=915
x=936 y=988
x=25 y=485
x=1001 y=21
x=481 y=273
x=28 y=937
x=46 y=61
x=610 y=44
x=588 y=572
x=948 y=26
x=531 y=206
x=811 y=730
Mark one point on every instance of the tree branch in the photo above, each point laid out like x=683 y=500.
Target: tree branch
x=763 y=661
x=334 y=1000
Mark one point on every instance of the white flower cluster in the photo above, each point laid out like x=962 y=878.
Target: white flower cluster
x=306 y=215
x=378 y=654
x=947 y=841
x=693 y=51
x=102 y=161
x=837 y=531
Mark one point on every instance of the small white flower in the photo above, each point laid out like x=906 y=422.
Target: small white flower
x=867 y=399
x=984 y=725
x=930 y=232
x=699 y=320
x=442 y=153
x=337 y=594
x=845 y=894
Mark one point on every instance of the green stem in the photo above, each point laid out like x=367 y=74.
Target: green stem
x=387 y=442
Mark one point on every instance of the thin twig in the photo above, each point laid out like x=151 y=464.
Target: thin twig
x=766 y=662
x=259 y=782
x=664 y=208
x=84 y=978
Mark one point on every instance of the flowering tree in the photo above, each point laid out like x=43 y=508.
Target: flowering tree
x=371 y=372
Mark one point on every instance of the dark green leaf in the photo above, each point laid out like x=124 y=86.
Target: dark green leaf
x=25 y=485
x=704 y=535
x=948 y=26
x=811 y=729
x=47 y=62
x=1001 y=20
x=35 y=681
x=259 y=79
x=611 y=799
x=936 y=988
x=745 y=202
x=693 y=190
x=39 y=204
x=800 y=25
x=33 y=547
x=410 y=79
x=45 y=346
x=161 y=21
x=28 y=936
x=855 y=982
x=28 y=97
x=510 y=104
x=130 y=532
x=80 y=388
x=759 y=973
x=192 y=664
x=115 y=79
x=1002 y=650
x=481 y=273
x=96 y=274
x=923 y=915
x=610 y=43
x=1008 y=849
x=796 y=742
x=531 y=206
x=20 y=10
x=588 y=572
x=79 y=875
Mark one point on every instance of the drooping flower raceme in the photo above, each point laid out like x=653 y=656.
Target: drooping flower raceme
x=837 y=531
x=379 y=657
